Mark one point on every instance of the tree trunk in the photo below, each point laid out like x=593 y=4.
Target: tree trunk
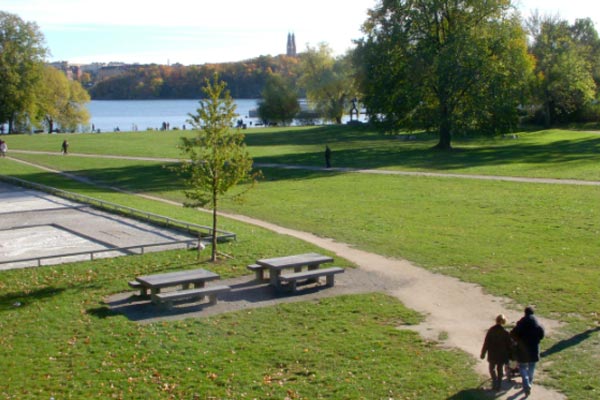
x=213 y=256
x=445 y=131
x=547 y=117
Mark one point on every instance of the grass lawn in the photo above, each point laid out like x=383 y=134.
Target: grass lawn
x=533 y=243
x=548 y=153
x=59 y=340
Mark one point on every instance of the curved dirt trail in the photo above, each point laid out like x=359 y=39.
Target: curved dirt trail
x=457 y=313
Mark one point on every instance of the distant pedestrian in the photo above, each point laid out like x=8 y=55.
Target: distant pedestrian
x=497 y=345
x=65 y=147
x=528 y=334
x=3 y=148
x=327 y=157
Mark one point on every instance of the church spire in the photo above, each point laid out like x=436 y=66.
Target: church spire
x=291 y=45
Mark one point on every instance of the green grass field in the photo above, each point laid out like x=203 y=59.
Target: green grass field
x=549 y=154
x=533 y=243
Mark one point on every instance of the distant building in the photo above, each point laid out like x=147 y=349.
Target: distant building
x=71 y=71
x=291 y=45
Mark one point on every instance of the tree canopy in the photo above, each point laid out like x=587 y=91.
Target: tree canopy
x=567 y=67
x=245 y=79
x=218 y=158
x=61 y=101
x=446 y=66
x=279 y=102
x=22 y=53
x=328 y=81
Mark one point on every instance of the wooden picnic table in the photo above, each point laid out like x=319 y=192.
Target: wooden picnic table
x=196 y=277
x=295 y=262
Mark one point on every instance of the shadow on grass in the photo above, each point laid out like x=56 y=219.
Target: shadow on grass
x=320 y=135
x=570 y=342
x=21 y=299
x=420 y=155
x=481 y=393
x=353 y=148
x=101 y=312
x=470 y=394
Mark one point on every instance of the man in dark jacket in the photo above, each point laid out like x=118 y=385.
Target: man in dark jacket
x=497 y=345
x=528 y=333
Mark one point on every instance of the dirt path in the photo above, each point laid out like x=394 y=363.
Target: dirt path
x=457 y=313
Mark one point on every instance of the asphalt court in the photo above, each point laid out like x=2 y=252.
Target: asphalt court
x=36 y=224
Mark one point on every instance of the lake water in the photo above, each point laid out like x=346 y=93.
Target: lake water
x=131 y=115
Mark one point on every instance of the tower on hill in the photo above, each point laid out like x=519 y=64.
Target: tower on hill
x=291 y=45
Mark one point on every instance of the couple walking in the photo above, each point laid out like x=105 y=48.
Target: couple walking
x=525 y=338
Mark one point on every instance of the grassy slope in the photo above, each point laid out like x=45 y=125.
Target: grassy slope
x=552 y=154
x=83 y=350
x=509 y=237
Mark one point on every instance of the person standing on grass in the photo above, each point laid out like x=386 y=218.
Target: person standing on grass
x=327 y=157
x=528 y=333
x=497 y=345
x=65 y=147
x=3 y=148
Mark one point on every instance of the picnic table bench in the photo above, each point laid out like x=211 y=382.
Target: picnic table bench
x=297 y=262
x=293 y=278
x=184 y=279
x=259 y=271
x=167 y=298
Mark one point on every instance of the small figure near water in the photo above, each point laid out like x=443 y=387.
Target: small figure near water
x=327 y=157
x=497 y=345
x=65 y=147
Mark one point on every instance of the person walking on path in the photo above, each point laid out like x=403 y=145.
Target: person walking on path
x=327 y=157
x=497 y=345
x=528 y=333
x=65 y=147
x=3 y=148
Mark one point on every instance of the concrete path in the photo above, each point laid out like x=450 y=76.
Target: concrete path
x=42 y=227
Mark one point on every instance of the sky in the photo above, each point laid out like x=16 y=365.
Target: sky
x=212 y=31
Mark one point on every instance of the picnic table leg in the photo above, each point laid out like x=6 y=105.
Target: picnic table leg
x=274 y=278
x=330 y=280
x=153 y=293
x=199 y=285
x=313 y=267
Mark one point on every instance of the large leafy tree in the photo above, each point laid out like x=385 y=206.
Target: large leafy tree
x=329 y=81
x=452 y=66
x=279 y=101
x=61 y=102
x=22 y=53
x=565 y=57
x=217 y=156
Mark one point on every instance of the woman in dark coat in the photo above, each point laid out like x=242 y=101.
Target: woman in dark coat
x=497 y=345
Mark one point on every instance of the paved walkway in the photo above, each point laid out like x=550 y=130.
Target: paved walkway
x=457 y=313
x=36 y=225
x=551 y=181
